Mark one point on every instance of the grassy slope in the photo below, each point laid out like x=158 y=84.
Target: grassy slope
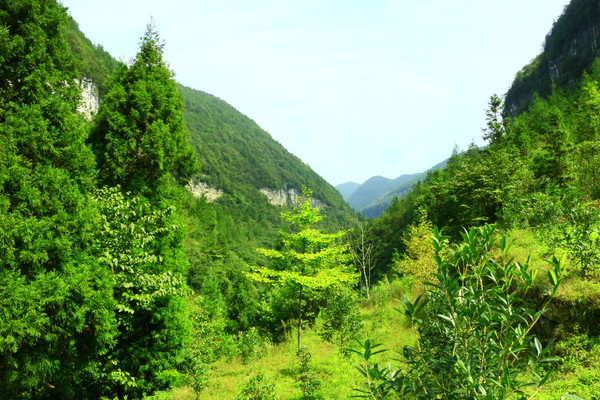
x=338 y=376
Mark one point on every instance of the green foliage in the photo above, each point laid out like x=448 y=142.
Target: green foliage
x=257 y=389
x=308 y=259
x=56 y=302
x=580 y=236
x=417 y=259
x=380 y=383
x=139 y=134
x=340 y=318
x=307 y=380
x=475 y=330
x=495 y=128
x=142 y=246
x=251 y=345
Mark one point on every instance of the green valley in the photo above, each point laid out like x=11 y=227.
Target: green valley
x=169 y=248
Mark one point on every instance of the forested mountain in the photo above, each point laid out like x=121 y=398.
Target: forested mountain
x=375 y=187
x=154 y=252
x=570 y=47
x=346 y=189
x=375 y=195
x=244 y=162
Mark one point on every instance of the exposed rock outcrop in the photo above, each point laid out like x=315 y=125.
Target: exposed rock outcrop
x=570 y=48
x=285 y=197
x=201 y=189
x=90 y=98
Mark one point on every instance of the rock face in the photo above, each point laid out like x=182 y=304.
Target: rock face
x=284 y=197
x=90 y=99
x=584 y=46
x=570 y=48
x=201 y=189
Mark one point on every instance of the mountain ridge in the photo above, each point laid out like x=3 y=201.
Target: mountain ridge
x=374 y=195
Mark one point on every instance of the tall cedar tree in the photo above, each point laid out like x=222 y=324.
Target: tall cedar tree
x=55 y=303
x=139 y=136
x=141 y=141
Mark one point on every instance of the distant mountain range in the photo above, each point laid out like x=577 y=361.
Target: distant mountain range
x=375 y=195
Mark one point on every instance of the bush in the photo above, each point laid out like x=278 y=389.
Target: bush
x=257 y=388
x=475 y=338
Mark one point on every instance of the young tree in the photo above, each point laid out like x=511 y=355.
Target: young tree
x=495 y=128
x=417 y=259
x=362 y=251
x=308 y=259
x=142 y=246
x=139 y=136
x=56 y=304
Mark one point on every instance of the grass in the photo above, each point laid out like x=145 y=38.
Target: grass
x=578 y=373
x=338 y=376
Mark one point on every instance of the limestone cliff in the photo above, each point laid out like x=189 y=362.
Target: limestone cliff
x=569 y=49
x=285 y=197
x=201 y=189
x=90 y=98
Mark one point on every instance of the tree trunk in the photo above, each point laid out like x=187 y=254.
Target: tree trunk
x=300 y=318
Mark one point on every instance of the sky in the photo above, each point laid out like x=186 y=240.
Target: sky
x=353 y=88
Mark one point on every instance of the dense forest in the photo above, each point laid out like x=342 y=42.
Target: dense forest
x=118 y=282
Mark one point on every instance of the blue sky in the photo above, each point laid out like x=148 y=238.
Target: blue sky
x=353 y=88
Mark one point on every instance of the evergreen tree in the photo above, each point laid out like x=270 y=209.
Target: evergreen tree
x=495 y=129
x=139 y=135
x=141 y=141
x=56 y=304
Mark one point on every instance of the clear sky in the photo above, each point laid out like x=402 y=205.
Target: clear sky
x=353 y=88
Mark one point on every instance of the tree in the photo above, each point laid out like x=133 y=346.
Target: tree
x=308 y=259
x=142 y=246
x=56 y=304
x=139 y=135
x=362 y=252
x=495 y=129
x=417 y=259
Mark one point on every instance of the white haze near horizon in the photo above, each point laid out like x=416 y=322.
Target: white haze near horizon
x=353 y=88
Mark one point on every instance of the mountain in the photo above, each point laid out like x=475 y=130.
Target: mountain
x=246 y=176
x=375 y=195
x=246 y=165
x=375 y=187
x=346 y=189
x=570 y=48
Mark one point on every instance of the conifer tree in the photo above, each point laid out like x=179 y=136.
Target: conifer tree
x=56 y=305
x=139 y=136
x=141 y=141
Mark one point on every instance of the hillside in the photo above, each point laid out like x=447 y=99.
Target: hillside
x=375 y=195
x=375 y=187
x=346 y=189
x=247 y=173
x=569 y=48
x=244 y=162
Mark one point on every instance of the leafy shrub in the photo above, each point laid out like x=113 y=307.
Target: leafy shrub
x=257 y=388
x=307 y=380
x=475 y=338
x=251 y=345
x=340 y=318
x=581 y=236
